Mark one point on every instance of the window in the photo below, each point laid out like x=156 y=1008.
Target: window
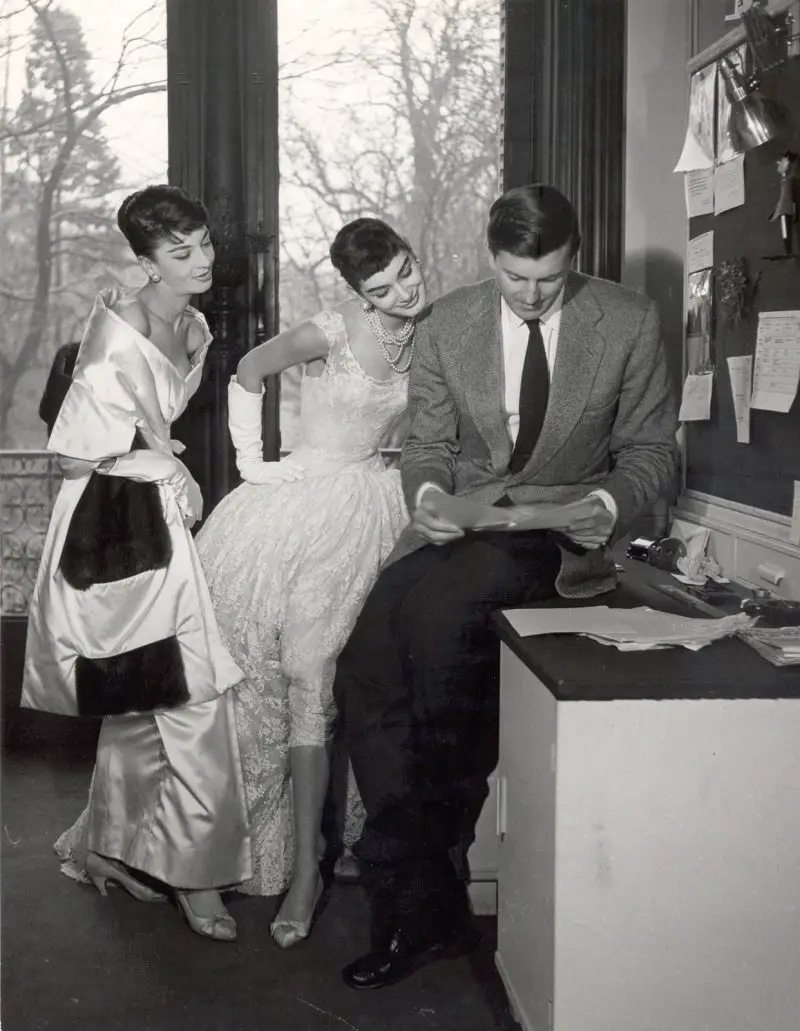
x=84 y=122
x=389 y=108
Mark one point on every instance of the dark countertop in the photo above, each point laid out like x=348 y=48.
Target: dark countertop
x=576 y=668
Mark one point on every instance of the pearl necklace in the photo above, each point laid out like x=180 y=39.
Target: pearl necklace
x=385 y=338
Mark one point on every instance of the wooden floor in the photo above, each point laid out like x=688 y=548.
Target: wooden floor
x=74 y=960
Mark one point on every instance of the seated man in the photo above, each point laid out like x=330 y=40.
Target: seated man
x=540 y=385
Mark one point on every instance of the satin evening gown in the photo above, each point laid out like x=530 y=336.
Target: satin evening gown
x=167 y=794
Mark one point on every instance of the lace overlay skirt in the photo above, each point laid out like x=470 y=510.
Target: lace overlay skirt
x=289 y=568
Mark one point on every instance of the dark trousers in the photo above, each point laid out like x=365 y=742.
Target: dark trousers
x=417 y=689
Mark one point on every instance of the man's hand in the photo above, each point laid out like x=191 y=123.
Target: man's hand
x=591 y=524
x=431 y=526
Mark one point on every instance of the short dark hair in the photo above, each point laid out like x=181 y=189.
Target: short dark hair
x=364 y=247
x=157 y=213
x=531 y=221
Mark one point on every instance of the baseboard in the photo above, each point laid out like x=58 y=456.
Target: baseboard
x=517 y=1010
x=751 y=545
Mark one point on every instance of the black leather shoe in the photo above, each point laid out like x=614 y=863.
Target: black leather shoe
x=405 y=954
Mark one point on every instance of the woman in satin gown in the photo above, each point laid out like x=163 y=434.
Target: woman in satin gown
x=121 y=623
x=292 y=553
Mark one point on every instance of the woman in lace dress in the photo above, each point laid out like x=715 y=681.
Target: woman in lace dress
x=121 y=624
x=291 y=554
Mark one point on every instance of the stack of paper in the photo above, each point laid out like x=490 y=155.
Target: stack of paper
x=780 y=645
x=637 y=629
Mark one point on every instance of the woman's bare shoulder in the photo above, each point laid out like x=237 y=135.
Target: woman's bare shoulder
x=350 y=311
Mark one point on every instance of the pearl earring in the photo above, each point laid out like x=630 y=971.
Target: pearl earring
x=367 y=306
x=155 y=278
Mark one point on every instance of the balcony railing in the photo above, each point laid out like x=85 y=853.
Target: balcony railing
x=29 y=482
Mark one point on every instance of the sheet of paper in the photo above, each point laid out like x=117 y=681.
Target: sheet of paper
x=699 y=144
x=776 y=370
x=729 y=185
x=794 y=529
x=473 y=515
x=469 y=515
x=741 y=372
x=696 y=400
x=637 y=628
x=699 y=186
x=701 y=252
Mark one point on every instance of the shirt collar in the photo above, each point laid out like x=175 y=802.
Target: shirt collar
x=549 y=320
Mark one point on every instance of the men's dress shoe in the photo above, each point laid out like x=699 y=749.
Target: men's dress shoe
x=406 y=953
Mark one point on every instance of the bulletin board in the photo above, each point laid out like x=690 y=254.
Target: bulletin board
x=760 y=473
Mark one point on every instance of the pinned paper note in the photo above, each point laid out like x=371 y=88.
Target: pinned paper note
x=776 y=370
x=729 y=185
x=701 y=252
x=794 y=529
x=696 y=400
x=741 y=371
x=699 y=187
x=698 y=146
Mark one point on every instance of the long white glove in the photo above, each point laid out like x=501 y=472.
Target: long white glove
x=244 y=423
x=157 y=467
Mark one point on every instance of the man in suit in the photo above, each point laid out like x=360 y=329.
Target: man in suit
x=540 y=385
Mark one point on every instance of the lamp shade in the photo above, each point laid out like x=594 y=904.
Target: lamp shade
x=752 y=120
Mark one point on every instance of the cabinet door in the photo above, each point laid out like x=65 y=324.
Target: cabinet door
x=526 y=780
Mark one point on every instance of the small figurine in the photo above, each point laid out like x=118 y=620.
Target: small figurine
x=786 y=209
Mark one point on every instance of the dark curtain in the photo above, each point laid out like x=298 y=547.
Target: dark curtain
x=223 y=148
x=565 y=113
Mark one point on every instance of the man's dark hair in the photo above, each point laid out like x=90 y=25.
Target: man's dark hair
x=531 y=221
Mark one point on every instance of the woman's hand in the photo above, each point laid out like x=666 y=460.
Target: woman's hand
x=286 y=471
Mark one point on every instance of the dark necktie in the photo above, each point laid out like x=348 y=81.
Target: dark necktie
x=533 y=395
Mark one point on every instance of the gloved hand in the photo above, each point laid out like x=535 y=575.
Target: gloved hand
x=244 y=423
x=156 y=467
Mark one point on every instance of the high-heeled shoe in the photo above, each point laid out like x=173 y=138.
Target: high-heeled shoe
x=346 y=869
x=102 y=871
x=286 y=933
x=221 y=926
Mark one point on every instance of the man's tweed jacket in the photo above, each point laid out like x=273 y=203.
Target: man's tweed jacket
x=610 y=422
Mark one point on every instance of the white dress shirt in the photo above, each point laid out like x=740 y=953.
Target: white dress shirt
x=515 y=345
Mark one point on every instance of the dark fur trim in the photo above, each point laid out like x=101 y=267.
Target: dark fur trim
x=141 y=680
x=117 y=530
x=58 y=383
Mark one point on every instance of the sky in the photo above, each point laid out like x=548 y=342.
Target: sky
x=137 y=130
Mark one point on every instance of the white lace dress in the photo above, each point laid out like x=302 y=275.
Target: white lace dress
x=289 y=567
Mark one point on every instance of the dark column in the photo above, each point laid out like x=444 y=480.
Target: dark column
x=223 y=145
x=565 y=113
